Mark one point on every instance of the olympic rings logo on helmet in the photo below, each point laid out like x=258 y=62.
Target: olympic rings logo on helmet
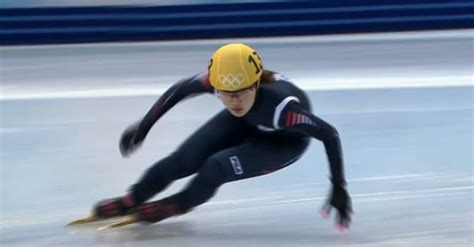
x=234 y=81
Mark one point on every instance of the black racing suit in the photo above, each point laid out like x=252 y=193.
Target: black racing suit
x=272 y=135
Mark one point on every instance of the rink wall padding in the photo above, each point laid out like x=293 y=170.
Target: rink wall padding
x=28 y=26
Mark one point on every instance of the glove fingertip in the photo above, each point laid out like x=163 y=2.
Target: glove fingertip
x=324 y=213
x=340 y=227
x=124 y=152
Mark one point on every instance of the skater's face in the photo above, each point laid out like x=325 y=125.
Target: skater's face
x=240 y=102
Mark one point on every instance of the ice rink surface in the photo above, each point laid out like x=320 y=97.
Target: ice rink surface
x=403 y=104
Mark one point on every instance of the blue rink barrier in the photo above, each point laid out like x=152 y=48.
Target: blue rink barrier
x=28 y=26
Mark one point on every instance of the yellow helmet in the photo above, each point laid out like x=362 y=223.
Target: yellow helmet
x=234 y=67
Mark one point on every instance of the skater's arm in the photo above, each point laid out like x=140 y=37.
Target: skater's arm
x=182 y=89
x=296 y=118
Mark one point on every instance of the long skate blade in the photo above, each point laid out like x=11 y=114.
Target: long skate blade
x=86 y=220
x=122 y=223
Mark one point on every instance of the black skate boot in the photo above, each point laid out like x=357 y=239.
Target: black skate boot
x=119 y=206
x=153 y=212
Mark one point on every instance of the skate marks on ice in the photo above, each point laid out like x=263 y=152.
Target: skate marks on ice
x=368 y=189
x=398 y=217
x=289 y=216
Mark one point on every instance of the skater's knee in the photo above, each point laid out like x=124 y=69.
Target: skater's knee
x=165 y=167
x=212 y=173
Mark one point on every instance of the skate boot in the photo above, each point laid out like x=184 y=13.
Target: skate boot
x=119 y=206
x=153 y=212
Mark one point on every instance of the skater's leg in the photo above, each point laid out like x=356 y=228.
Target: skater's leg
x=201 y=189
x=253 y=158
x=220 y=132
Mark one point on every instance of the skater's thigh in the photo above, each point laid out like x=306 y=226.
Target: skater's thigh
x=220 y=132
x=258 y=156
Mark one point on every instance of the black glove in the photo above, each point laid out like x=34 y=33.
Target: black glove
x=341 y=201
x=131 y=139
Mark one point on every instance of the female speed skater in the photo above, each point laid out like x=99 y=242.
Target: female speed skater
x=267 y=125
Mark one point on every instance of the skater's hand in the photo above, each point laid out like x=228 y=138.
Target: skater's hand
x=131 y=139
x=341 y=201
